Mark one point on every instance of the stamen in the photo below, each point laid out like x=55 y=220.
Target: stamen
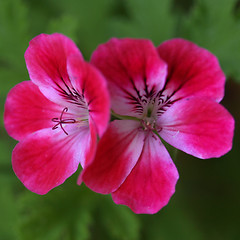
x=61 y=121
x=148 y=124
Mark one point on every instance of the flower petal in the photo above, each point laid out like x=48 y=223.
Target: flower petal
x=117 y=153
x=192 y=71
x=87 y=144
x=202 y=128
x=28 y=110
x=88 y=81
x=46 y=59
x=46 y=159
x=152 y=181
x=133 y=70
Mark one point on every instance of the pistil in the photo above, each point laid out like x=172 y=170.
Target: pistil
x=61 y=121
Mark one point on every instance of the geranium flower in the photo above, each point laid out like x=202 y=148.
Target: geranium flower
x=56 y=116
x=170 y=93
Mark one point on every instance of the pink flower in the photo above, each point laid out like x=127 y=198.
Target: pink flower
x=56 y=116
x=170 y=93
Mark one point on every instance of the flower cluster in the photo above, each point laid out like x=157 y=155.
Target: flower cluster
x=169 y=93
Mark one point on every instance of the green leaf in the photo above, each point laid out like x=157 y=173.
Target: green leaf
x=6 y=145
x=145 y=19
x=74 y=212
x=13 y=32
x=116 y=222
x=14 y=40
x=92 y=19
x=213 y=25
x=64 y=213
x=8 y=216
x=9 y=77
x=66 y=24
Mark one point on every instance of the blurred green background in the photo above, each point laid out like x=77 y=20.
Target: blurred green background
x=206 y=202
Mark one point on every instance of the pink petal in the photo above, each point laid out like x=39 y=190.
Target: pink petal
x=27 y=110
x=133 y=70
x=87 y=144
x=46 y=159
x=117 y=153
x=192 y=71
x=91 y=84
x=46 y=59
x=152 y=181
x=200 y=127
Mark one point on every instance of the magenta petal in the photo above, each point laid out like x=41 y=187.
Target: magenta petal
x=117 y=153
x=192 y=71
x=46 y=59
x=28 y=110
x=132 y=68
x=200 y=127
x=152 y=181
x=46 y=159
x=88 y=81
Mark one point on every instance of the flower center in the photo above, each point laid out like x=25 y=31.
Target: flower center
x=148 y=124
x=60 y=121
x=156 y=105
